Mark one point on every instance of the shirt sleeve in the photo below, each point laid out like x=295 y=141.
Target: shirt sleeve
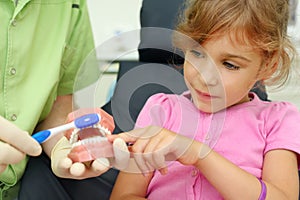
x=156 y=112
x=78 y=50
x=283 y=128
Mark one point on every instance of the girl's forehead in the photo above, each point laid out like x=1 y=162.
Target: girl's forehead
x=234 y=40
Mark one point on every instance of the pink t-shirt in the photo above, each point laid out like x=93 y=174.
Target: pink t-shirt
x=242 y=134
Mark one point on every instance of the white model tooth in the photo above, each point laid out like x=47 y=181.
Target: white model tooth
x=104 y=130
x=108 y=132
x=76 y=144
x=93 y=140
x=74 y=136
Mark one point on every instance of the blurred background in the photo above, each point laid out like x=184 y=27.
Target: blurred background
x=114 y=17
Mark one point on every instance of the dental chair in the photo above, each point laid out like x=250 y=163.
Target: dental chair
x=157 y=68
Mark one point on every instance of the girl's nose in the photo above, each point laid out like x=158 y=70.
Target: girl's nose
x=209 y=73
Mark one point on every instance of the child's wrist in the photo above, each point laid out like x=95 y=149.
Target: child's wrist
x=203 y=152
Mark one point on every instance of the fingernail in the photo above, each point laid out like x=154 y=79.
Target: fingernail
x=163 y=171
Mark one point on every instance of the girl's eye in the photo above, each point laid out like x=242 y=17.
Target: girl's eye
x=198 y=54
x=231 y=66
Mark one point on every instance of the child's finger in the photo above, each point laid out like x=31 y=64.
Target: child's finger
x=122 y=154
x=159 y=160
x=134 y=135
x=163 y=171
x=141 y=163
x=124 y=136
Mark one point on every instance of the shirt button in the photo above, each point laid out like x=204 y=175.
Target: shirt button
x=194 y=172
x=14 y=22
x=12 y=71
x=13 y=117
x=207 y=137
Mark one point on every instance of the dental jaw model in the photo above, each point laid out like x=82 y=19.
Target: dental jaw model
x=86 y=131
x=90 y=143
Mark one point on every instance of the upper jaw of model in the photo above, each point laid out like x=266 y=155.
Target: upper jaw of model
x=90 y=143
x=88 y=135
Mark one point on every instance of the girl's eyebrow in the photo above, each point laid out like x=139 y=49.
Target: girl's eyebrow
x=237 y=56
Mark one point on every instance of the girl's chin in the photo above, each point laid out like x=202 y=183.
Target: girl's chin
x=209 y=107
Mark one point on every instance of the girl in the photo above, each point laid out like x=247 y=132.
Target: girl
x=227 y=143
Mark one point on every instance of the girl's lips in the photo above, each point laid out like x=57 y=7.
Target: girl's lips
x=205 y=96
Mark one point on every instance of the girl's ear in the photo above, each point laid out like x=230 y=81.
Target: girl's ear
x=269 y=67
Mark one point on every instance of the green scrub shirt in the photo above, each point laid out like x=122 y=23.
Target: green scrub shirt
x=42 y=44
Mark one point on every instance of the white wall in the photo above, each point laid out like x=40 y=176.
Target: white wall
x=109 y=17
x=294 y=30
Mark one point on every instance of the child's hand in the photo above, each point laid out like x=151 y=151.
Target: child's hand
x=153 y=146
x=63 y=166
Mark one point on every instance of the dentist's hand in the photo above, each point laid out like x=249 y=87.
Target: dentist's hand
x=64 y=167
x=15 y=144
x=97 y=161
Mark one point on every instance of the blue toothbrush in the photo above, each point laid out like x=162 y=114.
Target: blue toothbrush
x=81 y=122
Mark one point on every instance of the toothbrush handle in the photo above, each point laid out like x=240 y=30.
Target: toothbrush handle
x=42 y=136
x=81 y=122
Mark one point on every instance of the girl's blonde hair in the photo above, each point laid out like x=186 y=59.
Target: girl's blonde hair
x=259 y=23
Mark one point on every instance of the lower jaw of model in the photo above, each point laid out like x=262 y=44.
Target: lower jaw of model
x=89 y=144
